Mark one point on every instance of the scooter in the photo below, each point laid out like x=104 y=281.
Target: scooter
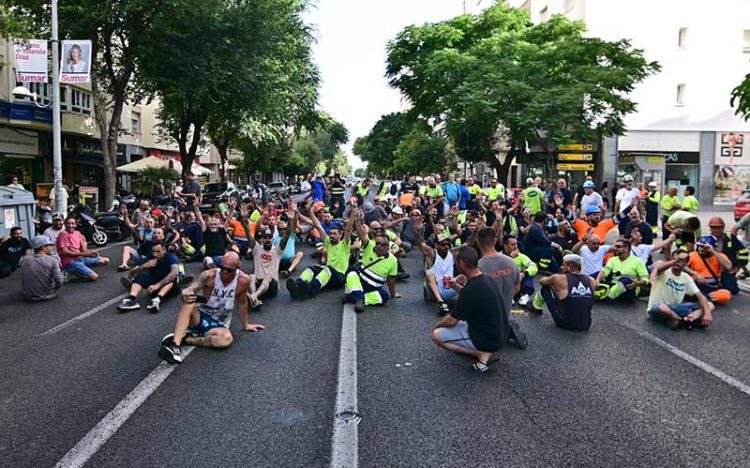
x=113 y=224
x=45 y=219
x=87 y=225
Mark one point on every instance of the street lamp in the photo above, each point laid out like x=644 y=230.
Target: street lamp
x=23 y=92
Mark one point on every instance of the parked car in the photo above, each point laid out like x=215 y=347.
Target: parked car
x=278 y=188
x=246 y=192
x=214 y=192
x=742 y=207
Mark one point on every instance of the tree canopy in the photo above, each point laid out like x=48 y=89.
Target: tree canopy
x=495 y=77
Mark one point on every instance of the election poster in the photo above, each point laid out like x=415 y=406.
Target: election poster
x=75 y=66
x=31 y=60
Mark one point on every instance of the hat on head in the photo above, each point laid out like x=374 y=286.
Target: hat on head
x=58 y=216
x=442 y=237
x=367 y=206
x=40 y=241
x=592 y=210
x=529 y=181
x=707 y=240
x=627 y=178
x=397 y=210
x=318 y=205
x=652 y=184
x=573 y=259
x=588 y=184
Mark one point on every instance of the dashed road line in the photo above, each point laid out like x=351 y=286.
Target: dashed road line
x=84 y=315
x=726 y=378
x=344 y=445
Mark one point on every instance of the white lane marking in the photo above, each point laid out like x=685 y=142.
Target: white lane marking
x=739 y=385
x=113 y=421
x=88 y=313
x=344 y=446
x=101 y=433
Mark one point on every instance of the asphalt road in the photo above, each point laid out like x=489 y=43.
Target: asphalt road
x=627 y=393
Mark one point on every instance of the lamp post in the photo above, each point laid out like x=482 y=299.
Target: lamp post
x=23 y=92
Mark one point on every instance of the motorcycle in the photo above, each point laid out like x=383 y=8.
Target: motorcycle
x=113 y=225
x=88 y=226
x=124 y=199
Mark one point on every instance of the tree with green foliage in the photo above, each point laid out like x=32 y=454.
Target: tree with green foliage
x=498 y=82
x=421 y=152
x=740 y=98
x=119 y=30
x=378 y=148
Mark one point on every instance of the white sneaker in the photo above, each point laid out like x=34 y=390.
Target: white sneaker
x=523 y=300
x=154 y=305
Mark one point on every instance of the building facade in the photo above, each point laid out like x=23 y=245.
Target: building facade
x=684 y=131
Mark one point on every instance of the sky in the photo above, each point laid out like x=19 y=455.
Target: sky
x=351 y=51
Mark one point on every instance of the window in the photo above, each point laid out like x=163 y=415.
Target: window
x=682 y=38
x=42 y=90
x=680 y=94
x=80 y=101
x=135 y=122
x=569 y=5
x=746 y=41
x=543 y=14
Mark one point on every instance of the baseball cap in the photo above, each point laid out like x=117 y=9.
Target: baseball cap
x=707 y=240
x=397 y=210
x=652 y=183
x=40 y=241
x=529 y=181
x=588 y=184
x=58 y=216
x=367 y=206
x=627 y=178
x=593 y=210
x=442 y=237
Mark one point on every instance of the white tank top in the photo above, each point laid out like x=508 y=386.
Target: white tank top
x=442 y=266
x=222 y=296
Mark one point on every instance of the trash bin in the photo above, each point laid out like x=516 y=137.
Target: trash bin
x=17 y=210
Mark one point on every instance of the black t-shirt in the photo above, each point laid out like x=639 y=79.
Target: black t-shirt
x=644 y=228
x=192 y=187
x=163 y=266
x=13 y=249
x=481 y=306
x=215 y=242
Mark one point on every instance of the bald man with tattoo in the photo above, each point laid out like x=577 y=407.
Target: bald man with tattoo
x=204 y=324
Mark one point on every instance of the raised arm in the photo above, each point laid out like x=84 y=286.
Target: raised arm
x=315 y=222
x=359 y=227
x=293 y=217
x=199 y=217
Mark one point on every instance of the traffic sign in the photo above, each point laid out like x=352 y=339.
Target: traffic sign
x=575 y=157
x=575 y=167
x=576 y=147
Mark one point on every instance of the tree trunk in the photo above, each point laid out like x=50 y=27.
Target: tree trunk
x=502 y=169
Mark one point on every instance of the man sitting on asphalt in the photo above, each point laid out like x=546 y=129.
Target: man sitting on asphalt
x=53 y=231
x=687 y=225
x=264 y=282
x=142 y=236
x=74 y=254
x=216 y=240
x=440 y=268
x=643 y=251
x=669 y=286
x=592 y=252
x=158 y=276
x=538 y=246
x=365 y=281
x=337 y=247
x=708 y=267
x=569 y=295
x=527 y=269
x=204 y=324
x=290 y=258
x=479 y=324
x=12 y=249
x=732 y=247
x=623 y=275
x=41 y=277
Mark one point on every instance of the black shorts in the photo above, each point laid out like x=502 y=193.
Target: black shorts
x=284 y=264
x=273 y=289
x=146 y=279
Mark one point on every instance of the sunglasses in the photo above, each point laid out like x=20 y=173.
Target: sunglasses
x=268 y=236
x=228 y=270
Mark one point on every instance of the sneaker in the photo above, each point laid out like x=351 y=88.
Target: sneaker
x=171 y=353
x=524 y=300
x=122 y=268
x=168 y=339
x=126 y=283
x=443 y=308
x=519 y=338
x=291 y=286
x=154 y=305
x=127 y=305
x=359 y=306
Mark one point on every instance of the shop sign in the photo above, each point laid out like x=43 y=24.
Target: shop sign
x=575 y=157
x=669 y=157
x=576 y=147
x=12 y=141
x=88 y=147
x=575 y=167
x=732 y=148
x=24 y=111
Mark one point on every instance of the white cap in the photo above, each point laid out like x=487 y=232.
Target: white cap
x=652 y=184
x=627 y=178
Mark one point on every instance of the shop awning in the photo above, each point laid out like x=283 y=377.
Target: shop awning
x=159 y=163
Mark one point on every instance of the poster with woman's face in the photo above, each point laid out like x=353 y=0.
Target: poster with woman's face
x=75 y=66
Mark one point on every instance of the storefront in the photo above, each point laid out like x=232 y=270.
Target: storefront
x=83 y=165
x=666 y=168
x=731 y=167
x=19 y=151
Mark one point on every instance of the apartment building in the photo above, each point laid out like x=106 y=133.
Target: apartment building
x=26 y=134
x=684 y=131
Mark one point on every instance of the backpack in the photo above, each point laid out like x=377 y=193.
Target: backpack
x=394 y=189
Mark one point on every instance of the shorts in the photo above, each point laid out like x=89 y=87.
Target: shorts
x=446 y=293
x=80 y=266
x=680 y=309
x=135 y=256
x=284 y=264
x=458 y=335
x=146 y=279
x=273 y=289
x=208 y=320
